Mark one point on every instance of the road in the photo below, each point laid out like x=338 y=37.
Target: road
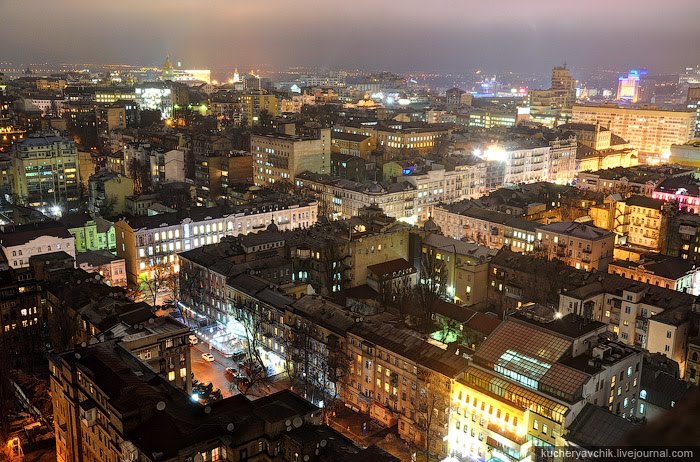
x=211 y=372
x=214 y=371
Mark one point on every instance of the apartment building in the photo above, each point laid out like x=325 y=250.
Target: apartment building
x=644 y=221
x=45 y=171
x=651 y=317
x=438 y=185
x=19 y=243
x=649 y=131
x=22 y=316
x=342 y=199
x=516 y=397
x=580 y=245
x=495 y=230
x=151 y=240
x=96 y=420
x=205 y=270
x=398 y=140
x=335 y=256
x=107 y=193
x=660 y=270
x=397 y=378
x=682 y=237
x=682 y=190
x=282 y=157
x=467 y=267
x=102 y=262
x=352 y=144
x=642 y=179
x=599 y=148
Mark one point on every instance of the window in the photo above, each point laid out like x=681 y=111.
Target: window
x=171 y=376
x=536 y=424
x=544 y=429
x=643 y=394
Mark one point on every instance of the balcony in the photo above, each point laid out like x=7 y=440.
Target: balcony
x=506 y=433
x=88 y=412
x=588 y=251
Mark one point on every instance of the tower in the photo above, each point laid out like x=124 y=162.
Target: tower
x=168 y=73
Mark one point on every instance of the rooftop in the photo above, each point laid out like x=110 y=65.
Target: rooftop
x=468 y=209
x=659 y=265
x=570 y=326
x=644 y=202
x=391 y=267
x=596 y=427
x=21 y=234
x=348 y=136
x=577 y=230
x=95 y=258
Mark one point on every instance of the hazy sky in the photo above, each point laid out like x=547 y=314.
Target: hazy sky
x=527 y=35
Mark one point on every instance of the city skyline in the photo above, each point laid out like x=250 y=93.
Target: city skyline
x=444 y=37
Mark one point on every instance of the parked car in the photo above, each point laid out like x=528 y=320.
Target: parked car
x=193 y=339
x=208 y=357
x=230 y=373
x=238 y=355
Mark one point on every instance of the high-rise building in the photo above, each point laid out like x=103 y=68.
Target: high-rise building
x=648 y=130
x=281 y=156
x=629 y=88
x=553 y=106
x=693 y=103
x=46 y=171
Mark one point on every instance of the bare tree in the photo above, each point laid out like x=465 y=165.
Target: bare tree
x=433 y=399
x=254 y=367
x=397 y=292
x=141 y=174
x=331 y=370
x=432 y=285
x=298 y=357
x=107 y=207
x=160 y=276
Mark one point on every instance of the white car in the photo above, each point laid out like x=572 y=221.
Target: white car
x=208 y=357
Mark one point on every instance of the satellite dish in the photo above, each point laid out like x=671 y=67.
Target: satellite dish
x=306 y=458
x=207 y=409
x=230 y=427
x=83 y=344
x=160 y=406
x=151 y=321
x=289 y=429
x=297 y=422
x=77 y=356
x=324 y=443
x=288 y=423
x=198 y=457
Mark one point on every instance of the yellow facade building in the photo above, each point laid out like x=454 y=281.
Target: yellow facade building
x=649 y=131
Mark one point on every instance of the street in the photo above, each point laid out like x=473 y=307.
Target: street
x=211 y=372
x=214 y=371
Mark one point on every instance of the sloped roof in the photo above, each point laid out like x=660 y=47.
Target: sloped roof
x=598 y=427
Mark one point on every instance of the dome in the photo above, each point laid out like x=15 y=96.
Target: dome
x=430 y=226
x=272 y=226
x=375 y=188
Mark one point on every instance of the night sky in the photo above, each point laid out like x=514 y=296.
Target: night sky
x=399 y=35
